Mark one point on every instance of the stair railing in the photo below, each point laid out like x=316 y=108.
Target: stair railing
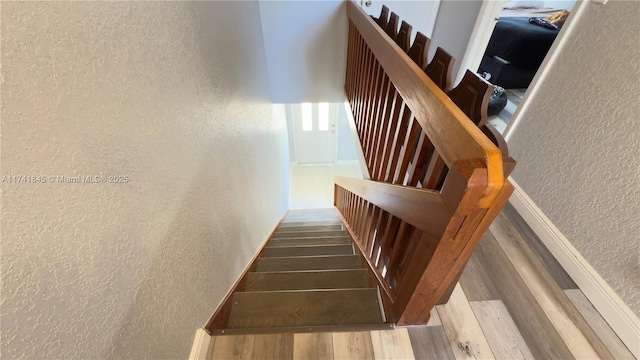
x=437 y=182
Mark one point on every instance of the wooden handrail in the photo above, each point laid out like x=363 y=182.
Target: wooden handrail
x=407 y=203
x=452 y=133
x=437 y=182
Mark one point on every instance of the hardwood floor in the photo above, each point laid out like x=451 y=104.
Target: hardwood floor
x=513 y=301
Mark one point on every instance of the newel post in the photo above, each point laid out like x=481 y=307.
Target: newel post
x=462 y=192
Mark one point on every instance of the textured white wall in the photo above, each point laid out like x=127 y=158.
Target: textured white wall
x=577 y=143
x=306 y=47
x=172 y=95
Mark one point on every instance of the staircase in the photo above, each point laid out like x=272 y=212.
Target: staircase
x=309 y=277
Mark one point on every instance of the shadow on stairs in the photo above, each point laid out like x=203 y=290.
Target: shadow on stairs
x=309 y=277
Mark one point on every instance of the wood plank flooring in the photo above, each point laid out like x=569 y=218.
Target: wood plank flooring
x=513 y=301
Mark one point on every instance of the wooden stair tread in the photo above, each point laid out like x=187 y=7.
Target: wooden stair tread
x=311 y=214
x=336 y=262
x=317 y=250
x=304 y=329
x=306 y=280
x=308 y=234
x=334 y=240
x=305 y=308
x=302 y=223
x=309 y=228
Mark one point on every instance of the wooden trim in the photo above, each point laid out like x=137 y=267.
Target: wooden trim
x=409 y=204
x=454 y=136
x=620 y=317
x=220 y=316
x=202 y=348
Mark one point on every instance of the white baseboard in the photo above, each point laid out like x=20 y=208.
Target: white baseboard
x=202 y=347
x=619 y=316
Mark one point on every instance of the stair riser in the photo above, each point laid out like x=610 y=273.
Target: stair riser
x=286 y=251
x=310 y=228
x=308 y=234
x=307 y=280
x=340 y=262
x=299 y=223
x=310 y=241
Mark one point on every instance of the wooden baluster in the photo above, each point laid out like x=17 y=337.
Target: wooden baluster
x=472 y=97
x=419 y=163
x=371 y=101
x=376 y=112
x=362 y=83
x=440 y=68
x=402 y=267
x=398 y=251
x=355 y=222
x=353 y=92
x=362 y=79
x=389 y=109
x=381 y=229
x=368 y=211
x=374 y=217
x=345 y=204
x=377 y=135
x=345 y=195
x=357 y=213
x=389 y=137
x=435 y=172
x=365 y=106
x=351 y=62
x=408 y=150
x=390 y=234
x=418 y=51
x=383 y=19
x=398 y=142
x=349 y=207
x=383 y=119
x=403 y=37
x=373 y=114
x=392 y=26
x=374 y=229
x=383 y=136
x=356 y=77
x=413 y=159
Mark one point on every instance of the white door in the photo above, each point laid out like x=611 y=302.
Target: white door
x=314 y=127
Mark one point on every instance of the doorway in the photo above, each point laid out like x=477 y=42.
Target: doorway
x=314 y=132
x=509 y=50
x=321 y=147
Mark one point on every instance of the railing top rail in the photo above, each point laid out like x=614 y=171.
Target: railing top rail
x=450 y=130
